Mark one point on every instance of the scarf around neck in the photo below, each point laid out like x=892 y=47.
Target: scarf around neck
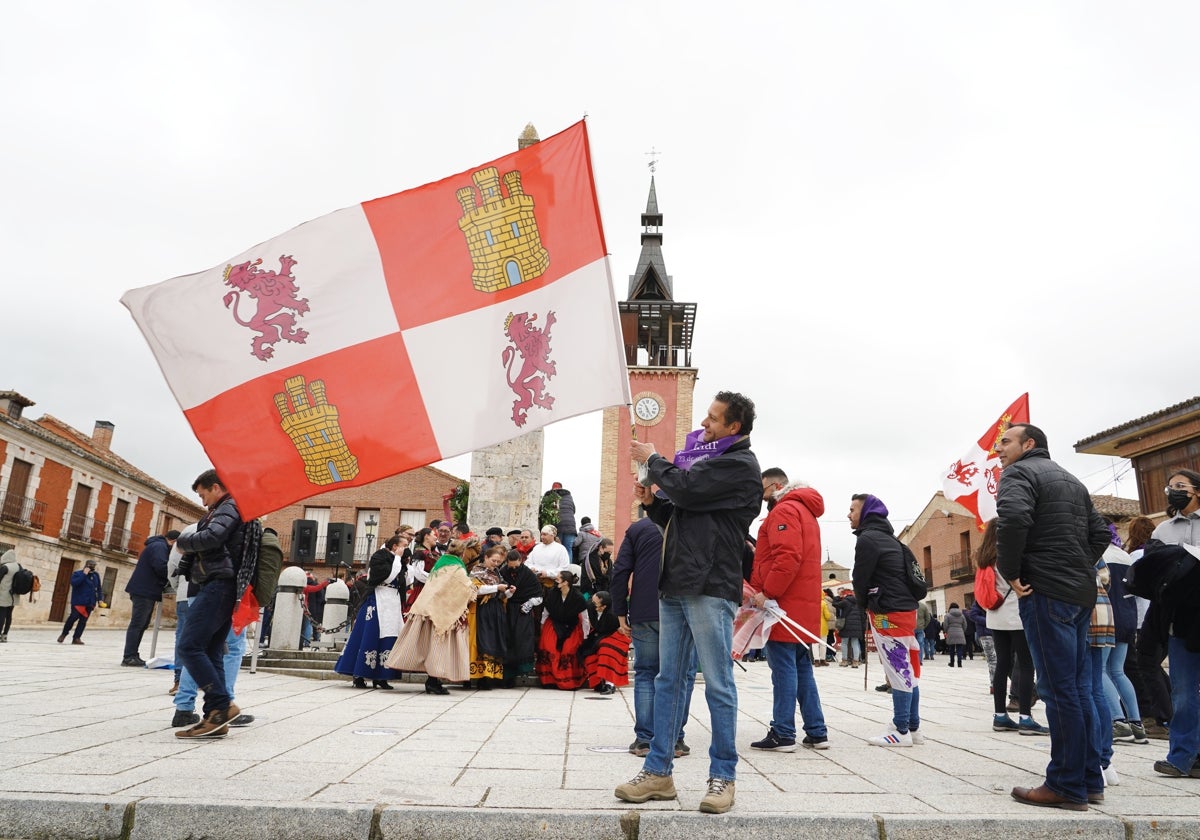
x=696 y=450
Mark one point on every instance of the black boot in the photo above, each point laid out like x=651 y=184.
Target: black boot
x=381 y=684
x=434 y=686
x=359 y=682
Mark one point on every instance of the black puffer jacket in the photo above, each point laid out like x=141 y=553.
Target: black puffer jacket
x=856 y=618
x=1047 y=532
x=705 y=519
x=216 y=544
x=880 y=581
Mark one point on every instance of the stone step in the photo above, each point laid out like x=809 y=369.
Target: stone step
x=307 y=673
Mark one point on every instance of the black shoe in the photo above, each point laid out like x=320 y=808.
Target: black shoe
x=607 y=688
x=381 y=684
x=133 y=662
x=884 y=687
x=184 y=718
x=433 y=686
x=359 y=682
x=242 y=720
x=60 y=638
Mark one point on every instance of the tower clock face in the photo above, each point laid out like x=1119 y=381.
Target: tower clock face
x=648 y=408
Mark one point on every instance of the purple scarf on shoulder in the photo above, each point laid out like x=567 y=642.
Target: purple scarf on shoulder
x=695 y=449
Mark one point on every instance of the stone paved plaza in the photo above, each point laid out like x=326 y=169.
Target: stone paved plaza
x=86 y=751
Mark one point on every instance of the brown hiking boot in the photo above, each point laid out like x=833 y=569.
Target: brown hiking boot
x=646 y=786
x=719 y=798
x=214 y=725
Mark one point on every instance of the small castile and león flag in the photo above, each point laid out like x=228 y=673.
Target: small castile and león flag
x=398 y=332
x=974 y=479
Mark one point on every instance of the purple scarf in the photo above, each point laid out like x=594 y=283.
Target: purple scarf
x=695 y=449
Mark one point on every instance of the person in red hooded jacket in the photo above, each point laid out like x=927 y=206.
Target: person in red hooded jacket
x=787 y=570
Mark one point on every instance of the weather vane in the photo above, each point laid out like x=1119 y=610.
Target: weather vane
x=654 y=156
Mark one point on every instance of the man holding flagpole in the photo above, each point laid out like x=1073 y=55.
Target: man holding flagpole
x=787 y=570
x=711 y=492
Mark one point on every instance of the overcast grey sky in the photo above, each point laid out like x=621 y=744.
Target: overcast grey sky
x=894 y=218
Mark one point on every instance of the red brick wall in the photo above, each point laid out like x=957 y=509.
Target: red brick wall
x=100 y=517
x=52 y=489
x=142 y=527
x=419 y=489
x=942 y=535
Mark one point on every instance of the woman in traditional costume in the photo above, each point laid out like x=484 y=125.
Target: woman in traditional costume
x=605 y=652
x=487 y=621
x=435 y=638
x=378 y=622
x=558 y=662
x=423 y=558
x=522 y=625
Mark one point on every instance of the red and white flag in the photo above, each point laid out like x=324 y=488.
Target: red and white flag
x=397 y=332
x=973 y=479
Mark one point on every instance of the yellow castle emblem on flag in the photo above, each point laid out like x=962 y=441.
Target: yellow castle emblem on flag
x=501 y=231
x=312 y=424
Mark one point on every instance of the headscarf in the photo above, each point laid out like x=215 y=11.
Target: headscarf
x=695 y=449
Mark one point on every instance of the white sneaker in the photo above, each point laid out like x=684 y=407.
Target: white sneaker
x=892 y=738
x=917 y=738
x=1111 y=779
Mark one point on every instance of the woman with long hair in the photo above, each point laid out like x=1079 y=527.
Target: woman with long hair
x=421 y=564
x=1144 y=667
x=605 y=652
x=1012 y=650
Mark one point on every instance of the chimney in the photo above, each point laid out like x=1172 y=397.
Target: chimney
x=102 y=435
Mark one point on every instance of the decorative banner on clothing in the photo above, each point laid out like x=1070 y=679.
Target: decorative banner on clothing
x=895 y=636
x=398 y=332
x=973 y=479
x=695 y=449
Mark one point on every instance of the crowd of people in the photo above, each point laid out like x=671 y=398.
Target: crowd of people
x=482 y=612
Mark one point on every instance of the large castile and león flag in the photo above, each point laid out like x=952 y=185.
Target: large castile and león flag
x=398 y=332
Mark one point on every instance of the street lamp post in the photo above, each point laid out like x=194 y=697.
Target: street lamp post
x=370 y=526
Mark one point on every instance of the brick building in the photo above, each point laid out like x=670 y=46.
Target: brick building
x=374 y=510
x=65 y=498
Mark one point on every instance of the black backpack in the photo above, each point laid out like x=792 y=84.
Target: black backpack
x=22 y=582
x=917 y=585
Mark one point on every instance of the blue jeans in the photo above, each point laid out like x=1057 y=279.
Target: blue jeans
x=1185 y=696
x=695 y=627
x=906 y=715
x=920 y=634
x=139 y=619
x=202 y=642
x=180 y=620
x=792 y=682
x=1118 y=688
x=568 y=541
x=851 y=649
x=73 y=617
x=645 y=637
x=1057 y=635
x=930 y=646
x=1102 y=726
x=235 y=649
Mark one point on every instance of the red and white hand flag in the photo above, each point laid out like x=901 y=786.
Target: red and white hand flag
x=973 y=479
x=397 y=332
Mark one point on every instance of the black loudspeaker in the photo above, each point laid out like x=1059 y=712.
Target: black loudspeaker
x=339 y=543
x=304 y=540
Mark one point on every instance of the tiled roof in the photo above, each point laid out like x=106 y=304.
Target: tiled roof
x=1116 y=507
x=1192 y=404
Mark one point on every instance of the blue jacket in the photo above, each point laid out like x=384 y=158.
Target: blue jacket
x=639 y=556
x=150 y=575
x=85 y=589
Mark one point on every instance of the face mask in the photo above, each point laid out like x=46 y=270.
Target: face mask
x=1178 y=499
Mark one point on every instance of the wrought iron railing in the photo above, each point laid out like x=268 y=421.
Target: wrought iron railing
x=82 y=528
x=22 y=510
x=121 y=539
x=961 y=566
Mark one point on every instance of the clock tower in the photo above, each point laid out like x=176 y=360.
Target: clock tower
x=657 y=332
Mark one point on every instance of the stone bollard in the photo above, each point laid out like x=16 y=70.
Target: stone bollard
x=289 y=613
x=337 y=603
